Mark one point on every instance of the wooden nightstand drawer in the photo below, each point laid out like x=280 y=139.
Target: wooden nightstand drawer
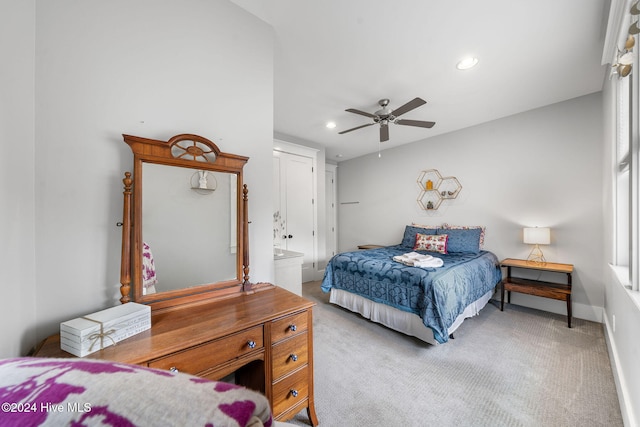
x=541 y=289
x=288 y=326
x=290 y=391
x=289 y=355
x=201 y=358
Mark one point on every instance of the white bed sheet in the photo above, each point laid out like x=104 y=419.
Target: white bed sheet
x=398 y=320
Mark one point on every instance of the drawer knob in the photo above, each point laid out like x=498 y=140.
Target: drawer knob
x=173 y=369
x=292 y=328
x=251 y=344
x=294 y=357
x=294 y=392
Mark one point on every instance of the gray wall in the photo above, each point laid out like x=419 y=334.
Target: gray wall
x=147 y=68
x=192 y=235
x=538 y=168
x=17 y=228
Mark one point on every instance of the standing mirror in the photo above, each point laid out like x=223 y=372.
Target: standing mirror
x=184 y=222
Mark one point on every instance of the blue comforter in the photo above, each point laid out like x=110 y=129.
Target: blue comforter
x=437 y=295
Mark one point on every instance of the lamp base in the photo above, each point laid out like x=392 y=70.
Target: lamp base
x=536 y=256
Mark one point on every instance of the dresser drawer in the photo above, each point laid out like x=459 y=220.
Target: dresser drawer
x=289 y=355
x=290 y=391
x=204 y=357
x=289 y=326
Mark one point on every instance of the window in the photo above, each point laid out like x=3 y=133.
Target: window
x=622 y=194
x=634 y=174
x=627 y=176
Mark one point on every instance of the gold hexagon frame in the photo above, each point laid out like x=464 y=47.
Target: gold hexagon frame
x=434 y=189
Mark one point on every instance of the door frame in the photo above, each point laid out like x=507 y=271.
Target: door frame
x=300 y=150
x=333 y=169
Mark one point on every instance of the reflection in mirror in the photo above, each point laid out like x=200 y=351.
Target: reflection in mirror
x=189 y=227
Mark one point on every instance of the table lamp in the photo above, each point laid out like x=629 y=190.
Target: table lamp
x=537 y=236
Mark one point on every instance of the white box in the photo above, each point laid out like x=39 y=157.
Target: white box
x=95 y=331
x=94 y=342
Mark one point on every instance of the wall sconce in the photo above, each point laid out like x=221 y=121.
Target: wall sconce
x=537 y=236
x=203 y=182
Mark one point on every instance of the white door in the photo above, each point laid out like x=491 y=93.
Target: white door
x=294 y=228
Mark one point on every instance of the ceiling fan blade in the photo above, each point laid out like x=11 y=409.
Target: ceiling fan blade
x=362 y=113
x=418 y=123
x=384 y=133
x=415 y=103
x=359 y=127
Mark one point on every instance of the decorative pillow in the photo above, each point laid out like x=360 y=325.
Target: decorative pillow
x=463 y=240
x=467 y=227
x=455 y=227
x=428 y=227
x=410 y=232
x=431 y=243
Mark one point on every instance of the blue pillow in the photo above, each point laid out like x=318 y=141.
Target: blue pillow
x=410 y=232
x=463 y=240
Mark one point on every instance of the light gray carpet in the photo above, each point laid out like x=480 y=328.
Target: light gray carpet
x=520 y=367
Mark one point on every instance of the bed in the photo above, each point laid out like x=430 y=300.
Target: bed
x=429 y=303
x=86 y=392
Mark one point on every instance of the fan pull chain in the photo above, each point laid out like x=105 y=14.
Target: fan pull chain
x=379 y=154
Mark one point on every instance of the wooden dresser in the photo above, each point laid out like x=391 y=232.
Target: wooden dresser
x=265 y=339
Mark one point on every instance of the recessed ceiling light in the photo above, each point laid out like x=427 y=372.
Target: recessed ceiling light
x=339 y=156
x=331 y=125
x=467 y=63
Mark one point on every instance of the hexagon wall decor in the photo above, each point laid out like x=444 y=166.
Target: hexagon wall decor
x=434 y=188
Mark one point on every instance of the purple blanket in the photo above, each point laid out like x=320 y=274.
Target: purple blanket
x=86 y=392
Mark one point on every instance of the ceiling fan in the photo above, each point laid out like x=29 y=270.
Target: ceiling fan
x=385 y=115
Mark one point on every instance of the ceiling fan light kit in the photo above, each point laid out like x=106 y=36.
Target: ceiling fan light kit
x=385 y=115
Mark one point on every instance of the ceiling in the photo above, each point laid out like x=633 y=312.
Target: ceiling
x=332 y=55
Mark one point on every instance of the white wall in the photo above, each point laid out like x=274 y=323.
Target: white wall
x=147 y=68
x=541 y=167
x=17 y=231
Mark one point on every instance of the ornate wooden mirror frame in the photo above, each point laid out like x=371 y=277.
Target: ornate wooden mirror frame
x=187 y=151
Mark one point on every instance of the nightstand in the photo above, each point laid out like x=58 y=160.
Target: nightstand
x=559 y=291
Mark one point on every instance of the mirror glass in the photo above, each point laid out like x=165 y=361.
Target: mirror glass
x=189 y=227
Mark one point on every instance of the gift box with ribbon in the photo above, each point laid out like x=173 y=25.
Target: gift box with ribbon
x=87 y=334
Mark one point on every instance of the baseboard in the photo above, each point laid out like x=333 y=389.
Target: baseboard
x=319 y=274
x=579 y=311
x=621 y=386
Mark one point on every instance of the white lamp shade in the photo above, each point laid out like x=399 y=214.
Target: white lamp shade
x=537 y=235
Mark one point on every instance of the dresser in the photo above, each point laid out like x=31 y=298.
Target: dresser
x=264 y=340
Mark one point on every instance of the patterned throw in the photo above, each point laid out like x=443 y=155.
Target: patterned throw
x=437 y=295
x=85 y=392
x=149 y=277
